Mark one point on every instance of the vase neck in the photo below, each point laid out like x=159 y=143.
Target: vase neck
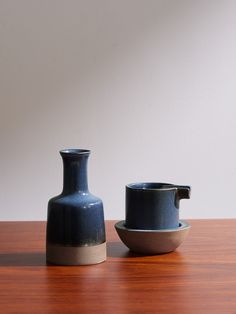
x=75 y=173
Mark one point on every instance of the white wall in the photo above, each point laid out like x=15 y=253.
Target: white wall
x=148 y=86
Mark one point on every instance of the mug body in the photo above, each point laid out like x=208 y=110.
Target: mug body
x=151 y=206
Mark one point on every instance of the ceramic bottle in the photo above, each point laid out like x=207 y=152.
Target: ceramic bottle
x=75 y=222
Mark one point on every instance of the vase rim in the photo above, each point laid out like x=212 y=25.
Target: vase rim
x=74 y=152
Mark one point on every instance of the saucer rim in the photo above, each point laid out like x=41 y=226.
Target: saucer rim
x=184 y=225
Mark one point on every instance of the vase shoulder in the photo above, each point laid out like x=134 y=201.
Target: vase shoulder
x=75 y=200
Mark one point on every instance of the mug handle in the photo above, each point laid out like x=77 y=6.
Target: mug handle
x=183 y=191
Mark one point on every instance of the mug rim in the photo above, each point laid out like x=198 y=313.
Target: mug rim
x=151 y=186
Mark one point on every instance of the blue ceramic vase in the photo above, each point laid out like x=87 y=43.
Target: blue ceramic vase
x=75 y=222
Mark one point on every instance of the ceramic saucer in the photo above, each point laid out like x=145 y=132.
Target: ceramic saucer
x=152 y=242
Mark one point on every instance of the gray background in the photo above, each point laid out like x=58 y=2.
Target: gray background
x=148 y=86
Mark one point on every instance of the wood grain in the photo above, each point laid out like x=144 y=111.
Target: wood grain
x=200 y=277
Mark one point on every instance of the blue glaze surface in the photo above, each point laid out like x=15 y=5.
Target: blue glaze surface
x=152 y=206
x=75 y=217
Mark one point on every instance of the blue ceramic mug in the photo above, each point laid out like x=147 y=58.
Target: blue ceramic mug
x=153 y=206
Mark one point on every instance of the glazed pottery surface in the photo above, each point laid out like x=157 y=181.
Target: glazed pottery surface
x=152 y=242
x=75 y=223
x=154 y=206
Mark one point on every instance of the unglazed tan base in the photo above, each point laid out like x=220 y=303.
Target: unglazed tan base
x=76 y=255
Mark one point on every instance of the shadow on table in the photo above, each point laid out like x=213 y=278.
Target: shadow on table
x=114 y=250
x=23 y=259
x=118 y=249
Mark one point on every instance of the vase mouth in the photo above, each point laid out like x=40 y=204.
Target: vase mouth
x=70 y=152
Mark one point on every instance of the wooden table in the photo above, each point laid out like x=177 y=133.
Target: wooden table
x=200 y=277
